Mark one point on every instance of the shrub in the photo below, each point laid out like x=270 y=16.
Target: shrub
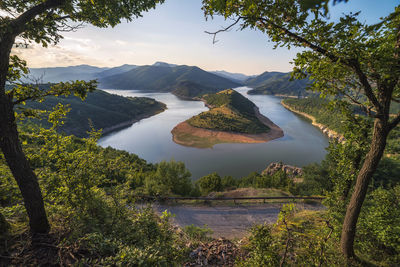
x=209 y=183
x=196 y=233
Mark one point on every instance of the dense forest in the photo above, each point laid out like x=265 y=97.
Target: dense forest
x=100 y=110
x=164 y=78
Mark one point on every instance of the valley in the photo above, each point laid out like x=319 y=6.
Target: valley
x=151 y=138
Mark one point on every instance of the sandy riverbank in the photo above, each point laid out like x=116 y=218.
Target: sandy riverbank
x=187 y=135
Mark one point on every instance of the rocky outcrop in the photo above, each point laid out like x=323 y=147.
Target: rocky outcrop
x=292 y=171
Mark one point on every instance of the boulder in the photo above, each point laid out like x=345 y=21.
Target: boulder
x=291 y=171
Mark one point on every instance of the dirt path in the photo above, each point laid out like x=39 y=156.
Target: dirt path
x=227 y=221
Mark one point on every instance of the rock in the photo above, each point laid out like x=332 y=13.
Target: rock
x=219 y=252
x=292 y=171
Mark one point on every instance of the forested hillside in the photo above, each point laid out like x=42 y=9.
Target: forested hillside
x=277 y=83
x=164 y=78
x=191 y=90
x=100 y=110
x=230 y=111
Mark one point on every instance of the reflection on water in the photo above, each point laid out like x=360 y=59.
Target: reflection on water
x=151 y=139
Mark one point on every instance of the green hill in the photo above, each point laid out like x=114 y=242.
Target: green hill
x=230 y=111
x=164 y=78
x=191 y=90
x=263 y=78
x=277 y=83
x=102 y=109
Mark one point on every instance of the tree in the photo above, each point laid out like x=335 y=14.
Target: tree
x=346 y=58
x=209 y=183
x=42 y=21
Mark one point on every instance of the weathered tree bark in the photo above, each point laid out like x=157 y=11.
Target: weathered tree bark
x=19 y=166
x=381 y=131
x=12 y=150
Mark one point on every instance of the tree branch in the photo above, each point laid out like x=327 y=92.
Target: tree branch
x=394 y=122
x=19 y=23
x=223 y=30
x=352 y=63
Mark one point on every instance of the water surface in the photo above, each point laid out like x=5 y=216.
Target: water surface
x=151 y=138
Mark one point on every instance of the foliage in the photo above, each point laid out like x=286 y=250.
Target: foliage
x=170 y=178
x=228 y=182
x=299 y=238
x=319 y=108
x=316 y=180
x=100 y=110
x=379 y=228
x=230 y=111
x=85 y=192
x=278 y=180
x=199 y=234
x=210 y=183
x=262 y=248
x=343 y=58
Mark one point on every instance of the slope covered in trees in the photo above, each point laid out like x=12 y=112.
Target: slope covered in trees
x=191 y=90
x=163 y=78
x=100 y=110
x=230 y=111
x=277 y=83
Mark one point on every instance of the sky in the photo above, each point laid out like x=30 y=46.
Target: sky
x=174 y=33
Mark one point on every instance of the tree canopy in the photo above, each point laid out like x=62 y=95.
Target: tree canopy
x=351 y=61
x=43 y=22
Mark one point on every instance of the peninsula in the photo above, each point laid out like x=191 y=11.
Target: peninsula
x=232 y=118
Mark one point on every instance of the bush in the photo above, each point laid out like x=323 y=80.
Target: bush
x=228 y=182
x=198 y=234
x=169 y=178
x=209 y=183
x=379 y=226
x=263 y=249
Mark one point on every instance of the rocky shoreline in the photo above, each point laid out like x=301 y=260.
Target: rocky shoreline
x=324 y=129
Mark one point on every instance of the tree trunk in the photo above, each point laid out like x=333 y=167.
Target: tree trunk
x=19 y=166
x=368 y=168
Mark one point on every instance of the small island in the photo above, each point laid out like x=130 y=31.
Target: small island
x=232 y=118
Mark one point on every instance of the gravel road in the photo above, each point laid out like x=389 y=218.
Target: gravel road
x=227 y=221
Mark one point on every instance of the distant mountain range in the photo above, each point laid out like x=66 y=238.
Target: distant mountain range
x=80 y=72
x=236 y=77
x=164 y=78
x=182 y=80
x=277 y=83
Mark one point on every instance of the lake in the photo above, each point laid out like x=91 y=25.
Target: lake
x=151 y=138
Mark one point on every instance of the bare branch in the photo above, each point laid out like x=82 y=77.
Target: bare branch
x=223 y=30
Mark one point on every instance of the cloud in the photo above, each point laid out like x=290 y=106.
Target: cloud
x=70 y=51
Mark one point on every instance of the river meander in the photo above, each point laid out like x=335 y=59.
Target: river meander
x=151 y=138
